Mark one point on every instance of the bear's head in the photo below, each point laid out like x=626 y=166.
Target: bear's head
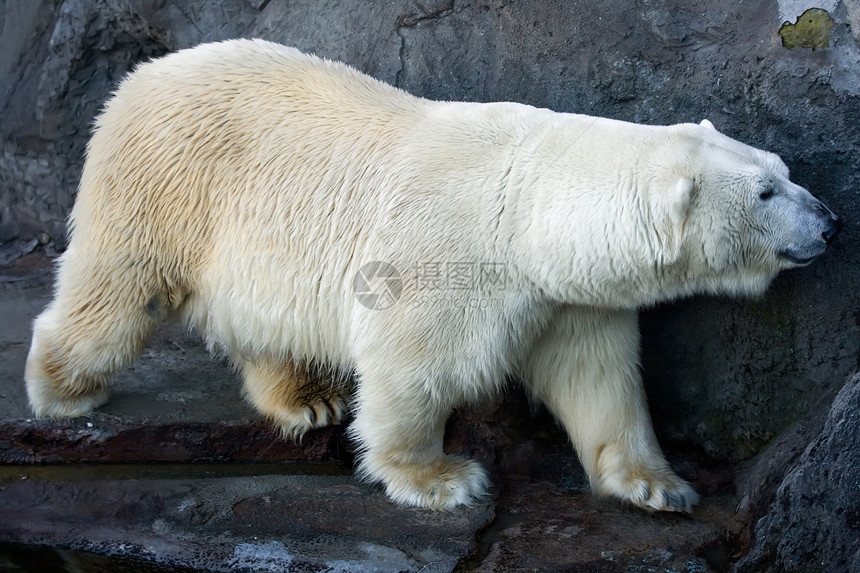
x=730 y=218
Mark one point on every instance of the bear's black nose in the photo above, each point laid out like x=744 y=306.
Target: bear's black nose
x=832 y=230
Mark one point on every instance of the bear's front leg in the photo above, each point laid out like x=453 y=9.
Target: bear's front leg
x=585 y=368
x=399 y=426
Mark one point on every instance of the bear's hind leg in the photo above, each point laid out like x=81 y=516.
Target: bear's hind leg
x=585 y=368
x=294 y=401
x=399 y=427
x=95 y=325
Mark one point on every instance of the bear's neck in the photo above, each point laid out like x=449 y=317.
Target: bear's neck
x=561 y=199
x=580 y=221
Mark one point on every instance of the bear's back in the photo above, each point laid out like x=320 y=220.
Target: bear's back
x=192 y=143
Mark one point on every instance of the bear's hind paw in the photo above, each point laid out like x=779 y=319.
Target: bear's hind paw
x=47 y=401
x=70 y=407
x=296 y=422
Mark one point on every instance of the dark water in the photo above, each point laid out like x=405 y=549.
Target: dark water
x=94 y=472
x=17 y=558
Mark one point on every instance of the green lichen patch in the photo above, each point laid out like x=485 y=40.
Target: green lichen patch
x=811 y=30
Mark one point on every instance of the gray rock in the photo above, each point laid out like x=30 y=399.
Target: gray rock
x=814 y=522
x=256 y=523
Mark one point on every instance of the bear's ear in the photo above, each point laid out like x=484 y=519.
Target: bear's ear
x=707 y=124
x=680 y=196
x=672 y=216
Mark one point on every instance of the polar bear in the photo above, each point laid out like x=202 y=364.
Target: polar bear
x=260 y=194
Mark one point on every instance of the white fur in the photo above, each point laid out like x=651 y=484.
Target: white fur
x=242 y=185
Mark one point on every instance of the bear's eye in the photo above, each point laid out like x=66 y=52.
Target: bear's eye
x=766 y=194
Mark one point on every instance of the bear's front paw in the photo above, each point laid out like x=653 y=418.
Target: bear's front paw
x=440 y=484
x=650 y=485
x=655 y=493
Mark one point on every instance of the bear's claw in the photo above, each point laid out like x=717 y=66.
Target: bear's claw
x=670 y=493
x=649 y=484
x=295 y=423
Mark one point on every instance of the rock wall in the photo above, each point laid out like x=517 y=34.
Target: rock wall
x=726 y=376
x=813 y=522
